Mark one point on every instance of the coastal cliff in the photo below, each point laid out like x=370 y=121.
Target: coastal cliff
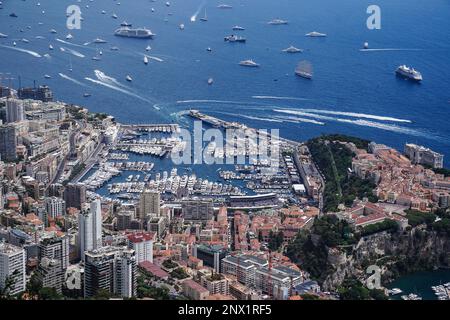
x=395 y=253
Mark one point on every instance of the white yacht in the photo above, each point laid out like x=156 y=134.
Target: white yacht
x=248 y=63
x=47 y=76
x=148 y=48
x=238 y=28
x=50 y=47
x=145 y=60
x=126 y=24
x=99 y=40
x=128 y=78
x=69 y=36
x=278 y=22
x=315 y=34
x=409 y=73
x=292 y=49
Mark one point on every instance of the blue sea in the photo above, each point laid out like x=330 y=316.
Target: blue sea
x=352 y=92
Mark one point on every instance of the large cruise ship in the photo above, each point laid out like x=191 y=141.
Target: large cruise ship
x=409 y=73
x=134 y=33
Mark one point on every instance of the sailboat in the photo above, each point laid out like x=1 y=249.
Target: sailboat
x=204 y=18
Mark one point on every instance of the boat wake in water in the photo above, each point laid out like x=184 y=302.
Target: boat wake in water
x=279 y=98
x=242 y=103
x=116 y=88
x=64 y=76
x=353 y=115
x=101 y=76
x=73 y=52
x=361 y=122
x=299 y=120
x=155 y=58
x=33 y=53
x=248 y=117
x=389 y=49
x=70 y=43
x=194 y=16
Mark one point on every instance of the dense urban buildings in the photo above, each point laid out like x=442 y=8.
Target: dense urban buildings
x=90 y=228
x=12 y=268
x=8 y=143
x=79 y=218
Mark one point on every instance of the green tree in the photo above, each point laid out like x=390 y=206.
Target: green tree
x=102 y=294
x=49 y=294
x=352 y=289
x=34 y=286
x=7 y=286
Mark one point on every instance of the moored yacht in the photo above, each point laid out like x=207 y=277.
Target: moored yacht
x=315 y=34
x=292 y=49
x=278 y=22
x=238 y=28
x=409 y=73
x=234 y=38
x=99 y=40
x=126 y=24
x=249 y=63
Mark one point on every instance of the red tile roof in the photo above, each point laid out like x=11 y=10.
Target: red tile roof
x=154 y=269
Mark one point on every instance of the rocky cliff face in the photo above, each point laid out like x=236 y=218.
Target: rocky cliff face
x=395 y=254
